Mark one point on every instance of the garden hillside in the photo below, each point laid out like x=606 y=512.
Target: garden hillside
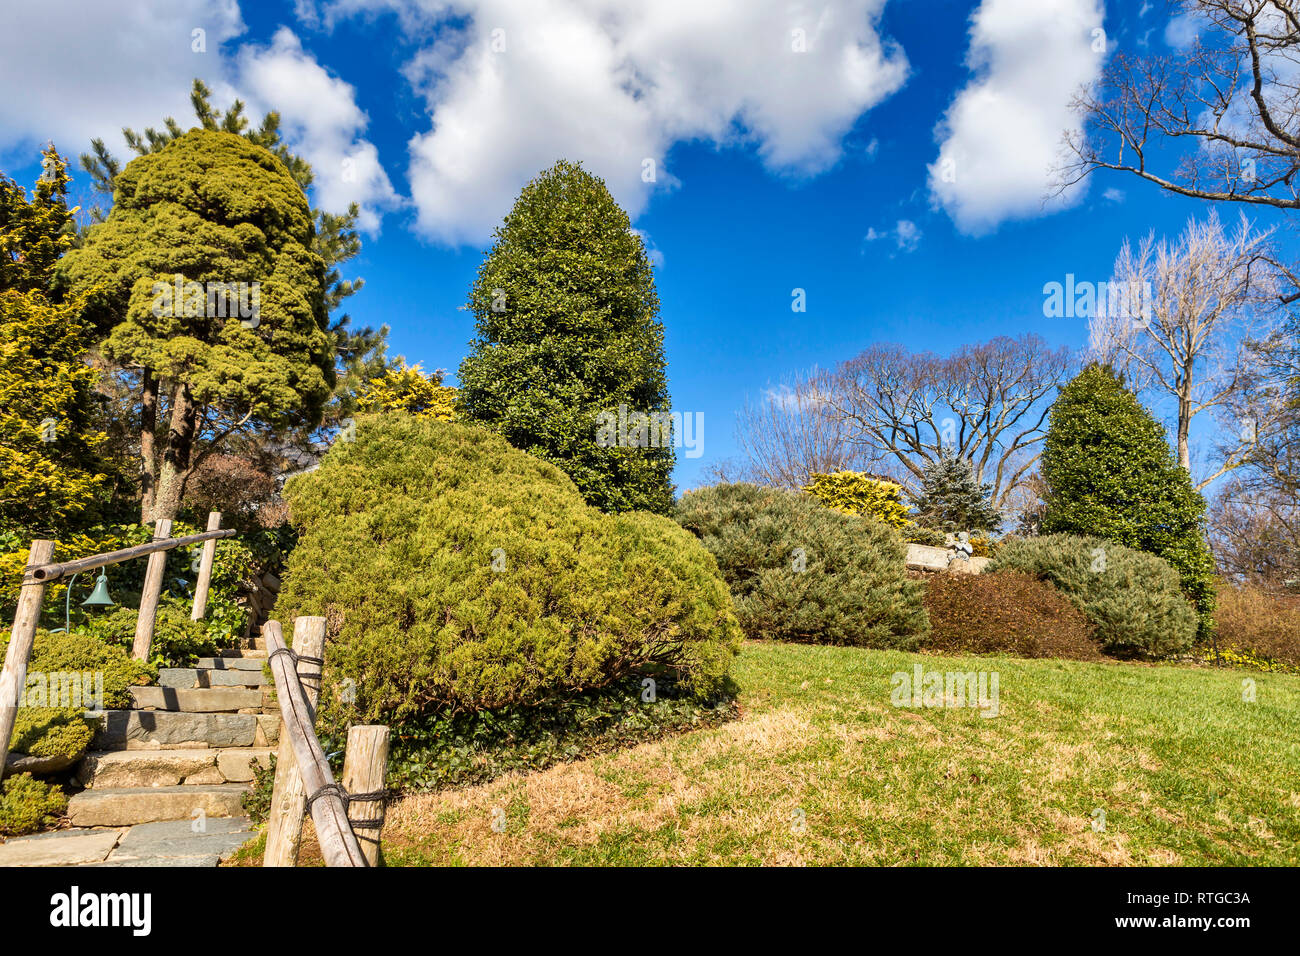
x=1089 y=764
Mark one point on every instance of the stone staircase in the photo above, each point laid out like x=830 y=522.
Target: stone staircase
x=188 y=745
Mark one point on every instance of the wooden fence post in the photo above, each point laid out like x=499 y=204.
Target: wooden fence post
x=205 y=569
x=288 y=798
x=153 y=582
x=27 y=616
x=365 y=765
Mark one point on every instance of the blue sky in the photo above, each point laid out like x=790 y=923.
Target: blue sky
x=766 y=181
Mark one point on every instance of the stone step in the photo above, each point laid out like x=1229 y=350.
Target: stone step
x=201 y=700
x=187 y=678
x=170 y=768
x=175 y=843
x=127 y=806
x=245 y=653
x=174 y=730
x=232 y=663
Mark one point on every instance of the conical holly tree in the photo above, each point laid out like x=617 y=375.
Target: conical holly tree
x=1110 y=473
x=214 y=302
x=569 y=348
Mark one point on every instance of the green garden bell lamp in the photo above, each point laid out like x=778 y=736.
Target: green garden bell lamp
x=98 y=598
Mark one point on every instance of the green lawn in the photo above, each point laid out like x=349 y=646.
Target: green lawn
x=822 y=769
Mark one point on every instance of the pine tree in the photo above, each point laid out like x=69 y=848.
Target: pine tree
x=953 y=499
x=50 y=478
x=359 y=351
x=206 y=212
x=568 y=334
x=1110 y=473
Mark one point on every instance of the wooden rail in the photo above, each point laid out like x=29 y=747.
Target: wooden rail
x=40 y=573
x=53 y=573
x=329 y=811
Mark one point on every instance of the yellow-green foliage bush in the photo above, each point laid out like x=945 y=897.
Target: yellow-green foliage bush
x=79 y=653
x=51 y=732
x=458 y=573
x=27 y=804
x=856 y=493
x=407 y=388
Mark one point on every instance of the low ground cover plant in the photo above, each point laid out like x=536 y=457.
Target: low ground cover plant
x=799 y=571
x=1007 y=612
x=1257 y=628
x=28 y=804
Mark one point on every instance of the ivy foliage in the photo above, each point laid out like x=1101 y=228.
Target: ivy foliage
x=567 y=322
x=1111 y=474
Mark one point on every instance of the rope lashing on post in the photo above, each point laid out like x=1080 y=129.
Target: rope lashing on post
x=375 y=796
x=301 y=659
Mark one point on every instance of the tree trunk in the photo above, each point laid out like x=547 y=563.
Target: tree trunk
x=175 y=469
x=1185 y=412
x=148 y=445
x=1184 y=427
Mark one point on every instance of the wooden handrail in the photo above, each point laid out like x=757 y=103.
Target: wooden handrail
x=329 y=812
x=50 y=573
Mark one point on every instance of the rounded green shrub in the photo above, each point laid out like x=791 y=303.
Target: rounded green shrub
x=56 y=652
x=1133 y=599
x=456 y=572
x=800 y=571
x=27 y=804
x=51 y=732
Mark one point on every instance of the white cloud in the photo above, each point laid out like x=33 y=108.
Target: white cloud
x=131 y=63
x=104 y=66
x=1113 y=195
x=515 y=86
x=1001 y=136
x=1182 y=30
x=320 y=117
x=906 y=235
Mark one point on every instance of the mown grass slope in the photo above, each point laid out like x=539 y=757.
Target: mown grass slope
x=823 y=769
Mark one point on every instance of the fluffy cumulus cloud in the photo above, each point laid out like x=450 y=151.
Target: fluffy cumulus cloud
x=131 y=63
x=1001 y=137
x=511 y=87
x=105 y=66
x=320 y=117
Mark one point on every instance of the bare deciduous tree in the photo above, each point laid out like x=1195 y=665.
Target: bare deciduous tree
x=789 y=434
x=1219 y=120
x=1254 y=532
x=892 y=412
x=1202 y=297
